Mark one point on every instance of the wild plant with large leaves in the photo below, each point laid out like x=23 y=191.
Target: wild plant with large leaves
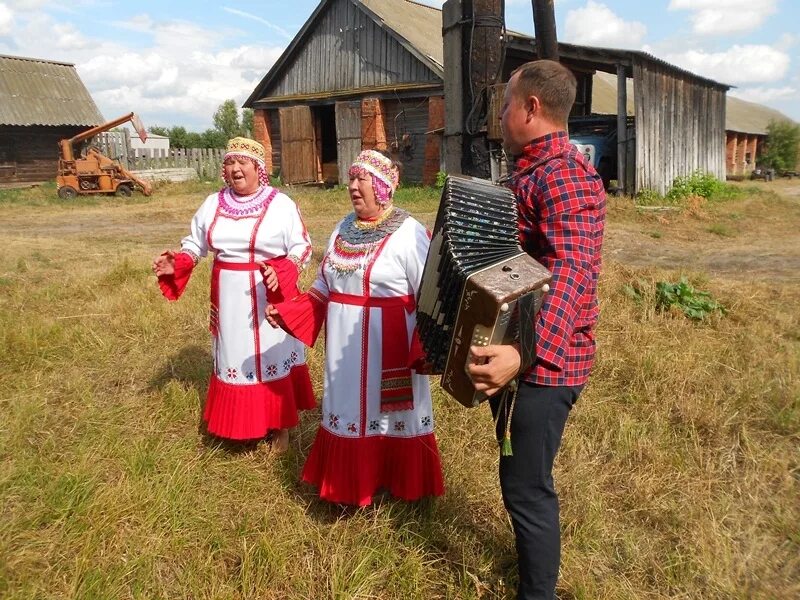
x=695 y=304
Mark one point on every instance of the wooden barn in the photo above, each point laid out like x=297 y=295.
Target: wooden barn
x=679 y=117
x=359 y=74
x=373 y=74
x=745 y=123
x=41 y=102
x=746 y=134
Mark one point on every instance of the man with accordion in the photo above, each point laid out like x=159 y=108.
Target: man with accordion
x=561 y=207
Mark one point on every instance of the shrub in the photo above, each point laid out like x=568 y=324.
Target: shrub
x=700 y=184
x=783 y=141
x=649 y=198
x=693 y=303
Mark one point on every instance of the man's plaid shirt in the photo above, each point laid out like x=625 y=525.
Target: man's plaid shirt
x=562 y=210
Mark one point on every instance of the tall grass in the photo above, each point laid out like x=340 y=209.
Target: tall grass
x=678 y=473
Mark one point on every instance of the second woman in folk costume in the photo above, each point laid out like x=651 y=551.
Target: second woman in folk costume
x=259 y=243
x=377 y=419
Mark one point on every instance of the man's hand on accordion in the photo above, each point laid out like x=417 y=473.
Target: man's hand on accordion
x=492 y=367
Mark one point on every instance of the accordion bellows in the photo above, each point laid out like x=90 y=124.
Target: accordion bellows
x=478 y=284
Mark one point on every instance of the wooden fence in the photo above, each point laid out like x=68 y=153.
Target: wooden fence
x=206 y=161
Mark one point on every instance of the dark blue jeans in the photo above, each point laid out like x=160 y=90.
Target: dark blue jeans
x=526 y=481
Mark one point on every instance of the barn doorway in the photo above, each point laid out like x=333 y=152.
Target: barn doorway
x=325 y=119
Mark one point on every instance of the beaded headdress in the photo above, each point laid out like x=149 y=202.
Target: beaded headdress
x=385 y=176
x=247 y=148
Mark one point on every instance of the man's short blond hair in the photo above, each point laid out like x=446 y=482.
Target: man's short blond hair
x=551 y=82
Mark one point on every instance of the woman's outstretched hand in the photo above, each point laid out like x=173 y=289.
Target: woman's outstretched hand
x=270 y=277
x=273 y=317
x=164 y=264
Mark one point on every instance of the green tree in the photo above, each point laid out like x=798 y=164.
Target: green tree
x=179 y=137
x=213 y=138
x=226 y=119
x=158 y=130
x=783 y=141
x=247 y=122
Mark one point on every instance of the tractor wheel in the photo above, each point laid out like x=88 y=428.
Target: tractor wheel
x=124 y=189
x=67 y=192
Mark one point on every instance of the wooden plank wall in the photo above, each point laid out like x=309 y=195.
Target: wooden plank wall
x=30 y=154
x=299 y=145
x=408 y=116
x=275 y=135
x=347 y=50
x=207 y=162
x=680 y=127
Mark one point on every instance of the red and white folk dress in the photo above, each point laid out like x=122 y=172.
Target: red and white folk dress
x=260 y=377
x=377 y=417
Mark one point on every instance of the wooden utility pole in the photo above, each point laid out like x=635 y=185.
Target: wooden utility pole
x=473 y=56
x=544 y=25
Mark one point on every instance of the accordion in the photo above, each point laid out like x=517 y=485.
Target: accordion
x=478 y=284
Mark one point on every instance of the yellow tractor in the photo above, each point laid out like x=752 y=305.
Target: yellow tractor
x=93 y=172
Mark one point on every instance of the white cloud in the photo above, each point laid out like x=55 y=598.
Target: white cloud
x=263 y=21
x=737 y=65
x=6 y=19
x=718 y=17
x=158 y=78
x=25 y=5
x=596 y=25
x=763 y=95
x=139 y=23
x=68 y=38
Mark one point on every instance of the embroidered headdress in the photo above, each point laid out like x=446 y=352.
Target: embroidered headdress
x=241 y=147
x=385 y=176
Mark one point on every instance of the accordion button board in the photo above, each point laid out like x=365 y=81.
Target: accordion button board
x=478 y=284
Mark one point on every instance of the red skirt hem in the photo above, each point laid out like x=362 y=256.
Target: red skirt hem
x=351 y=470
x=245 y=412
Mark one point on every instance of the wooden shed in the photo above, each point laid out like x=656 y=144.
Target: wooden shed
x=679 y=117
x=746 y=134
x=745 y=123
x=41 y=102
x=359 y=74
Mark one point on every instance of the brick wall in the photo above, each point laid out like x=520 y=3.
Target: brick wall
x=261 y=133
x=433 y=141
x=373 y=125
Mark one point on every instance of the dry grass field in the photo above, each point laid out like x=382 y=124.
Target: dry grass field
x=679 y=474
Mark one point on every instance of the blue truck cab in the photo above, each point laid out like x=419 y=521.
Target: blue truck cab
x=596 y=138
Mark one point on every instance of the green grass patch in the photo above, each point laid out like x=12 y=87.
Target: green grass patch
x=721 y=230
x=675 y=475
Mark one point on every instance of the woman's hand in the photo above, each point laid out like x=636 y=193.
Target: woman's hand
x=164 y=264
x=273 y=316
x=270 y=277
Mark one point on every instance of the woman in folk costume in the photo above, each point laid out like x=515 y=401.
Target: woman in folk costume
x=377 y=419
x=259 y=243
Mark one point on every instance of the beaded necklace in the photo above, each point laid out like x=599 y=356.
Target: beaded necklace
x=239 y=207
x=358 y=240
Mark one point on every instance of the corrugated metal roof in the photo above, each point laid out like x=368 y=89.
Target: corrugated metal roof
x=740 y=116
x=43 y=92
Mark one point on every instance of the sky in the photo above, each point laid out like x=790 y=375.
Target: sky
x=175 y=61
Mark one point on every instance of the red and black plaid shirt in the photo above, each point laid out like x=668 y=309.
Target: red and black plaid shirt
x=562 y=210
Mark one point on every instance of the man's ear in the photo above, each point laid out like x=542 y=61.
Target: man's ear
x=533 y=106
